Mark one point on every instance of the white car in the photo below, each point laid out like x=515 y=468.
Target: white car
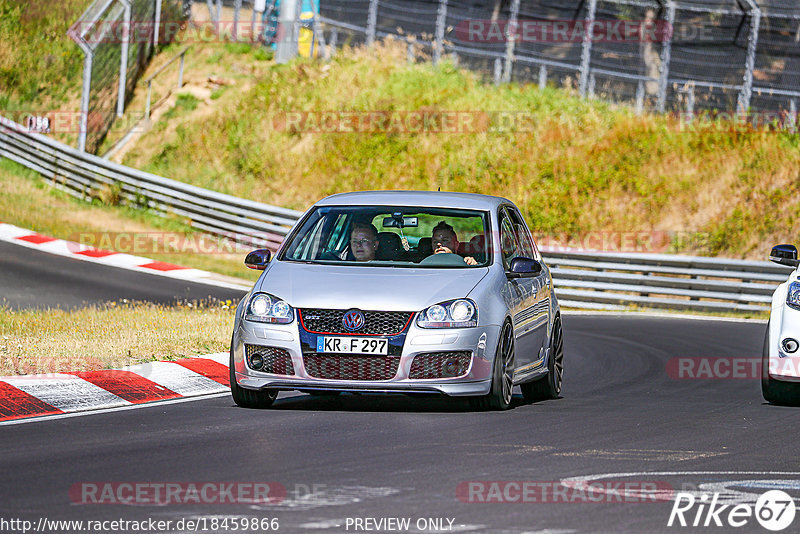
x=780 y=369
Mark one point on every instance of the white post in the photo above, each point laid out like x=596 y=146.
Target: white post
x=372 y=21
x=639 y=98
x=441 y=19
x=666 y=56
x=542 y=76
x=287 y=38
x=752 y=41
x=123 y=60
x=157 y=24
x=586 y=52
x=511 y=38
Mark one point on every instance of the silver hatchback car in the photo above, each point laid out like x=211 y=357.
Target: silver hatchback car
x=401 y=291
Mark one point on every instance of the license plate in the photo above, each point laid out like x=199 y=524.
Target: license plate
x=353 y=345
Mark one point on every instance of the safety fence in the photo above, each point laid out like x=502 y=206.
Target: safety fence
x=582 y=279
x=662 y=55
x=117 y=38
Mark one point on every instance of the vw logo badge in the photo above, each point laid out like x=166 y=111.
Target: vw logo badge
x=353 y=320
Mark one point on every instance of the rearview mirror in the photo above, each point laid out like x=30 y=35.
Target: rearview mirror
x=524 y=267
x=784 y=255
x=400 y=222
x=258 y=259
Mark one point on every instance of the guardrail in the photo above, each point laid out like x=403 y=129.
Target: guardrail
x=582 y=279
x=85 y=176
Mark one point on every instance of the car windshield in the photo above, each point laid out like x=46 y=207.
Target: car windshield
x=392 y=236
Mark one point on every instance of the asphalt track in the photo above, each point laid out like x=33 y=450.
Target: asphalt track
x=356 y=457
x=35 y=279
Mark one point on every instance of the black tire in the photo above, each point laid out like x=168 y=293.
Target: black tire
x=775 y=391
x=249 y=398
x=499 y=396
x=549 y=386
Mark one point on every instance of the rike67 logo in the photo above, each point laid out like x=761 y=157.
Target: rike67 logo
x=773 y=510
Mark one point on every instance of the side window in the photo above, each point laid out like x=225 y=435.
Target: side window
x=337 y=239
x=523 y=235
x=508 y=241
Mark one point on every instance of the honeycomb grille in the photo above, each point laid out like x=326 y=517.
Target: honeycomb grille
x=440 y=365
x=337 y=367
x=376 y=322
x=276 y=361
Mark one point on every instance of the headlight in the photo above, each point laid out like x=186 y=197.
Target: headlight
x=793 y=296
x=264 y=308
x=461 y=313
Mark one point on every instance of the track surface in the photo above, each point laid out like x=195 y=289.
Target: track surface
x=374 y=456
x=34 y=279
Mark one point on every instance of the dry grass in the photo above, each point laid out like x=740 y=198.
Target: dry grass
x=110 y=336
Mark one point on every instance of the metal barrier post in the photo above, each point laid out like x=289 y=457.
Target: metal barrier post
x=286 y=31
x=586 y=52
x=511 y=39
x=666 y=56
x=85 y=93
x=542 y=76
x=592 y=83
x=639 y=107
x=441 y=18
x=409 y=52
x=147 y=104
x=237 y=7
x=212 y=14
x=498 y=71
x=752 y=42
x=157 y=24
x=123 y=60
x=690 y=104
x=180 y=73
x=372 y=21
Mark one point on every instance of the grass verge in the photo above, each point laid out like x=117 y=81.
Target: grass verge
x=52 y=341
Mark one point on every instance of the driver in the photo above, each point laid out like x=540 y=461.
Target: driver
x=444 y=240
x=363 y=241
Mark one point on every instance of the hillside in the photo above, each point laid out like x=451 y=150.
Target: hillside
x=580 y=170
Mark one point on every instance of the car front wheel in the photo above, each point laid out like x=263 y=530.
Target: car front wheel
x=499 y=397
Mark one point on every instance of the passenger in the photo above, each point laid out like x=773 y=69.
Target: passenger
x=445 y=240
x=363 y=241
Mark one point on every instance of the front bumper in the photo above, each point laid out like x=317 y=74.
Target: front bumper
x=783 y=366
x=481 y=341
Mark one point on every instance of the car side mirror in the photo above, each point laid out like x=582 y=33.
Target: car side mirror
x=784 y=255
x=258 y=259
x=524 y=267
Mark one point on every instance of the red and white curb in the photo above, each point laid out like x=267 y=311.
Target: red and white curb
x=63 y=393
x=72 y=249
